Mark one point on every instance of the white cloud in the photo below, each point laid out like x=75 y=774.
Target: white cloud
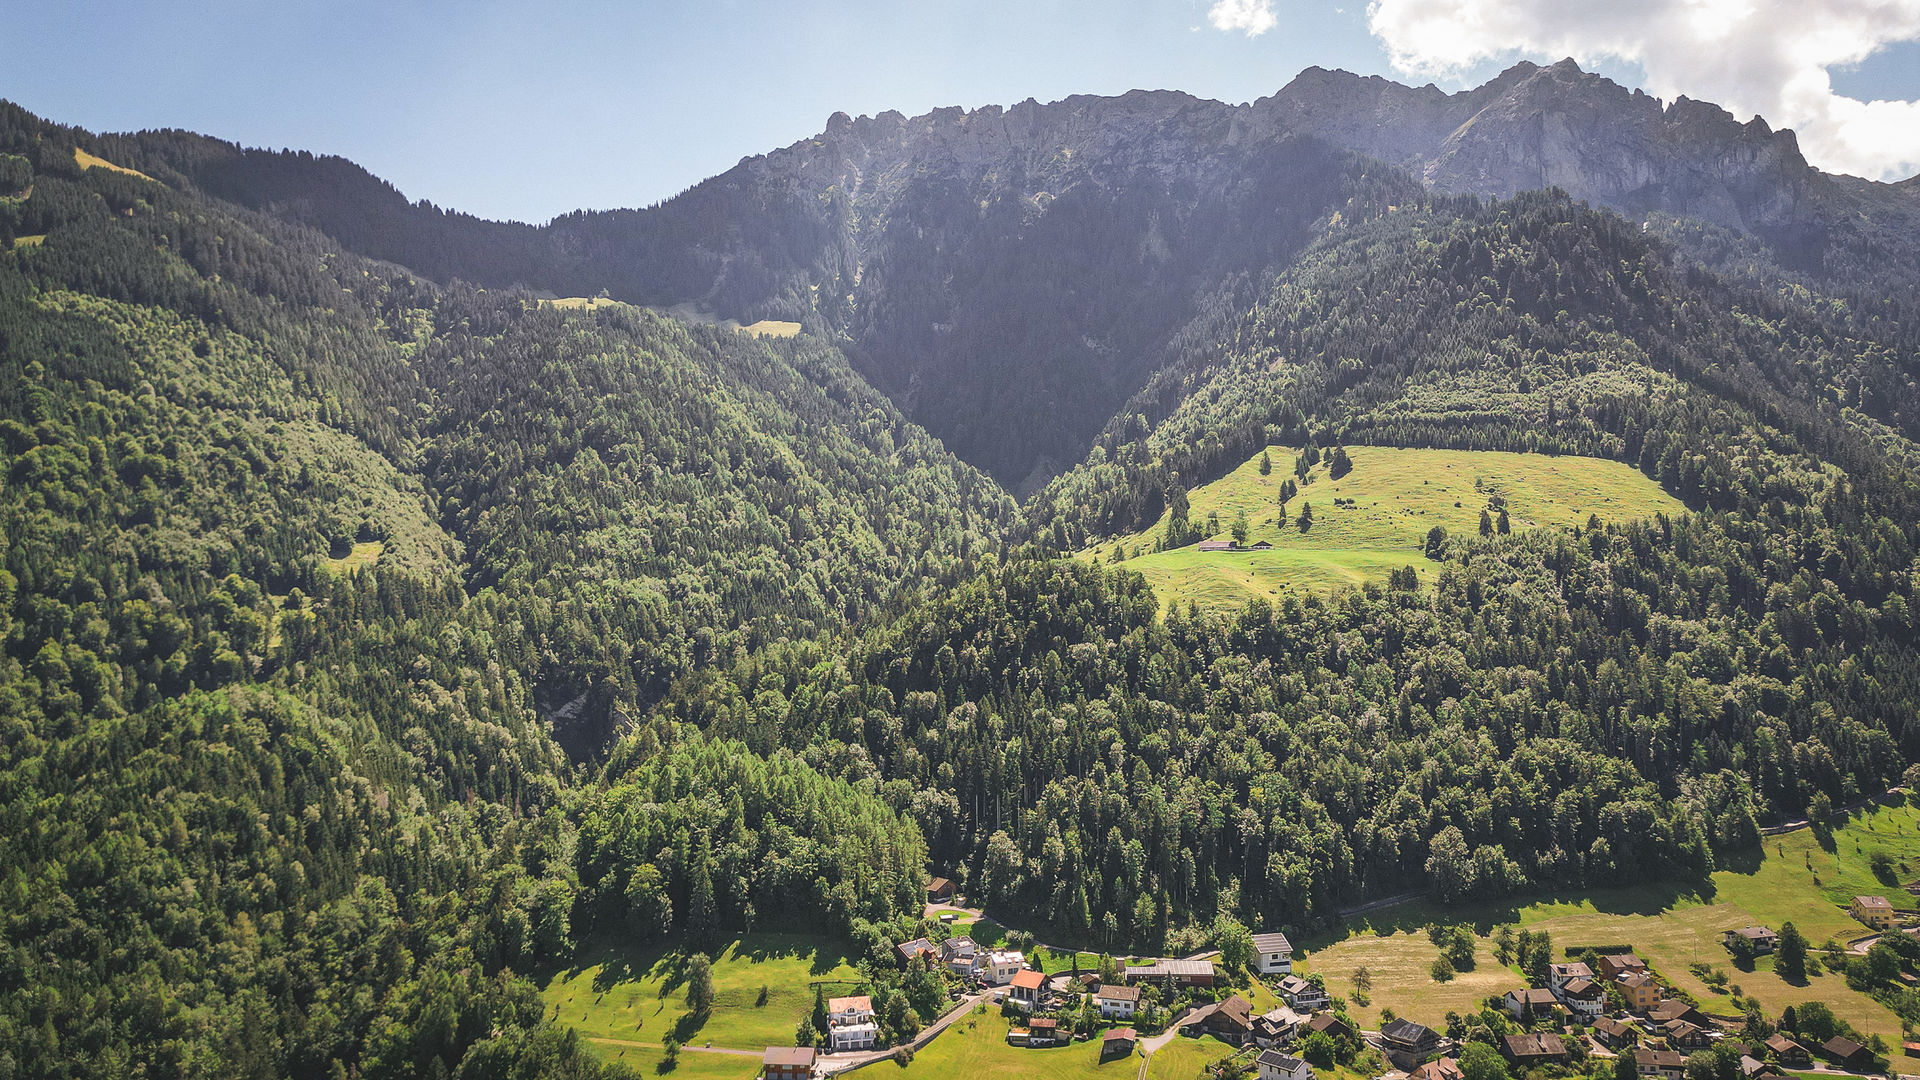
x=1765 y=57
x=1255 y=17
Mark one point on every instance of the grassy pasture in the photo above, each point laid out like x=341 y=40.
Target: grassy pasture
x=976 y=1046
x=364 y=554
x=91 y=161
x=1797 y=880
x=1396 y=495
x=29 y=241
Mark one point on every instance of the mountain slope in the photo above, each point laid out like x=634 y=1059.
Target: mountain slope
x=1010 y=276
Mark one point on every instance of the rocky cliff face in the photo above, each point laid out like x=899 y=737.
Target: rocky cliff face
x=1535 y=127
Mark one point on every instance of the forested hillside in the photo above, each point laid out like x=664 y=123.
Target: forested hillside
x=281 y=635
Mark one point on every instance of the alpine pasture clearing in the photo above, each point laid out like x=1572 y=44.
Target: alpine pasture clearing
x=364 y=554
x=1797 y=880
x=624 y=998
x=92 y=161
x=1389 y=501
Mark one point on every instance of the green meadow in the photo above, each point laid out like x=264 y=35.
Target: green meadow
x=1798 y=879
x=1385 y=508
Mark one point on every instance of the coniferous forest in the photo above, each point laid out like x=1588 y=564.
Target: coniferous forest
x=374 y=634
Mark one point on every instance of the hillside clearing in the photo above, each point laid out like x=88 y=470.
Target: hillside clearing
x=1797 y=880
x=92 y=161
x=1387 y=504
x=640 y=997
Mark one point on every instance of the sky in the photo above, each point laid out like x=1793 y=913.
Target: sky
x=525 y=111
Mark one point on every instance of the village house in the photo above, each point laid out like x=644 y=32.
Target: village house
x=907 y=950
x=1302 y=995
x=1525 y=1005
x=1847 y=1053
x=1527 y=1051
x=939 y=890
x=1681 y=1035
x=1752 y=1068
x=1026 y=988
x=1675 y=1009
x=1118 y=1043
x=1218 y=545
x=1117 y=1002
x=1261 y=545
x=1614 y=965
x=1559 y=975
x=1408 y=1043
x=1274 y=1065
x=1000 y=965
x=1173 y=972
x=1230 y=1021
x=961 y=956
x=1275 y=954
x=1445 y=1068
x=850 y=1024
x=1789 y=1053
x=1612 y=1033
x=1275 y=1027
x=1585 y=998
x=1874 y=911
x=787 y=1063
x=1639 y=989
x=1763 y=940
x=1661 y=1064
x=1043 y=1031
x=1329 y=1025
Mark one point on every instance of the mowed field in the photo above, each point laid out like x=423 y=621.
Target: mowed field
x=628 y=1003
x=1796 y=881
x=1396 y=496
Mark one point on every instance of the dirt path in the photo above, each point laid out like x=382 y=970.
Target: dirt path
x=1857 y=804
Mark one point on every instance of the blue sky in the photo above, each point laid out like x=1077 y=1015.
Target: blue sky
x=524 y=111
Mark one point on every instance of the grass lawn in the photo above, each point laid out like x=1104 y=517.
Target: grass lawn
x=976 y=1046
x=1186 y=1059
x=640 y=997
x=362 y=555
x=29 y=241
x=1797 y=880
x=691 y=1065
x=1398 y=495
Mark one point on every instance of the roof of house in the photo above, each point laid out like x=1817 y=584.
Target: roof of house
x=1272 y=943
x=1405 y=1030
x=1120 y=1035
x=1326 y=1021
x=1841 y=1047
x=1532 y=995
x=1580 y=988
x=939 y=884
x=788 y=1055
x=861 y=1002
x=1780 y=1044
x=1532 y=1045
x=1445 y=1068
x=914 y=948
x=1754 y=933
x=1753 y=1066
x=1607 y=1025
x=1236 y=1011
x=1624 y=960
x=1679 y=1029
x=1215 y=545
x=1671 y=1059
x=1636 y=978
x=1575 y=970
x=1873 y=902
x=1176 y=968
x=1029 y=979
x=1670 y=1009
x=1117 y=993
x=1043 y=1023
x=958 y=945
x=1274 y=1059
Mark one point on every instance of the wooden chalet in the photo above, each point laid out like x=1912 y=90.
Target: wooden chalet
x=1789 y=1053
x=1526 y=1051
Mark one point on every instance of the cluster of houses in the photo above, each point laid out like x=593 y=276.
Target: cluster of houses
x=1673 y=1029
